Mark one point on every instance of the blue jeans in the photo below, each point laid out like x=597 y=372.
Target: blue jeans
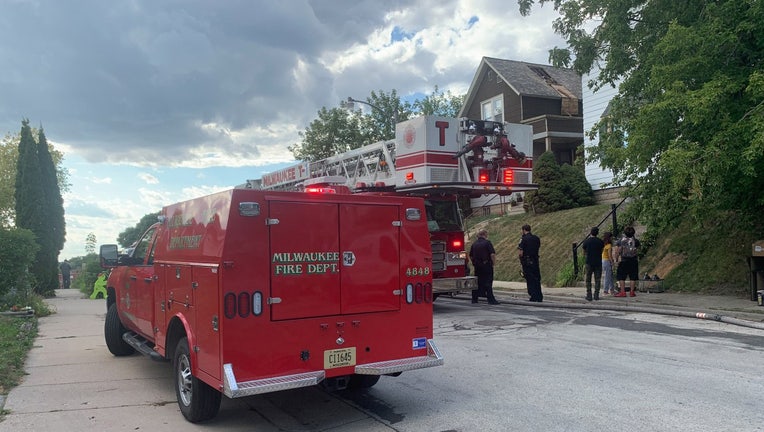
x=607 y=271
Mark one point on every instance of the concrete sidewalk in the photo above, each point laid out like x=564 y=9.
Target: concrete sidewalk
x=735 y=307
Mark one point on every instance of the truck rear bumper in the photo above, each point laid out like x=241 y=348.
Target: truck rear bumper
x=454 y=285
x=234 y=389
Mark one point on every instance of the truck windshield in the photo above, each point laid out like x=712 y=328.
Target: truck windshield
x=443 y=216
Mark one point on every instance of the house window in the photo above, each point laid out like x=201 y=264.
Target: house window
x=493 y=109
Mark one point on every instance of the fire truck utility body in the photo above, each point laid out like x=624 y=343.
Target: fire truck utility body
x=438 y=158
x=250 y=292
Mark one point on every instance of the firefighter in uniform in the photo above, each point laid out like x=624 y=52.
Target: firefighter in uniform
x=483 y=257
x=528 y=252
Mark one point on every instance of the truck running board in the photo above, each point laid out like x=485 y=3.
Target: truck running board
x=234 y=389
x=142 y=346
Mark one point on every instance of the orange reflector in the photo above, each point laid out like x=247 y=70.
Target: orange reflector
x=320 y=190
x=409 y=176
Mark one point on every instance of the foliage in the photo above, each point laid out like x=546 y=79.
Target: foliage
x=90 y=243
x=89 y=267
x=388 y=109
x=30 y=209
x=16 y=338
x=333 y=132
x=131 y=235
x=439 y=104
x=686 y=130
x=721 y=269
x=17 y=253
x=560 y=187
x=9 y=154
x=336 y=130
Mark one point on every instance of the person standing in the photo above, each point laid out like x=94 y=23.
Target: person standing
x=607 y=263
x=528 y=252
x=628 y=263
x=66 y=273
x=593 y=246
x=483 y=257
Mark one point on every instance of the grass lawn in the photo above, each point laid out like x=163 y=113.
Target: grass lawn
x=16 y=338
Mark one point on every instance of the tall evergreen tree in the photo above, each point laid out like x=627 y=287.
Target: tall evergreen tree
x=55 y=226
x=33 y=212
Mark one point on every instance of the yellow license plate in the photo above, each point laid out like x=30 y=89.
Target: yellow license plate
x=339 y=358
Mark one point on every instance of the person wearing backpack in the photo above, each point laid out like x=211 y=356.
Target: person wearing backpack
x=627 y=261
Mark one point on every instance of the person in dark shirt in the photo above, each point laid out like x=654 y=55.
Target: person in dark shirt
x=483 y=257
x=66 y=274
x=593 y=246
x=528 y=252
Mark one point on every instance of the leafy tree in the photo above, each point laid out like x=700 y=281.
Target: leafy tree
x=334 y=131
x=130 y=235
x=9 y=155
x=439 y=104
x=388 y=109
x=90 y=243
x=686 y=130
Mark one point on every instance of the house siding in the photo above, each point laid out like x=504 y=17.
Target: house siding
x=595 y=104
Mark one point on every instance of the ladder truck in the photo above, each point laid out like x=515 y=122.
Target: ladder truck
x=437 y=158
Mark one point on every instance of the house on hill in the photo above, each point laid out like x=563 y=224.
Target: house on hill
x=596 y=108
x=547 y=98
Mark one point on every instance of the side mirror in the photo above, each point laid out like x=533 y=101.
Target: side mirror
x=109 y=256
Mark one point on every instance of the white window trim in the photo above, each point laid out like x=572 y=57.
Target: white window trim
x=492 y=102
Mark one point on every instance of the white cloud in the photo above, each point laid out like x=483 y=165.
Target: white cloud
x=220 y=89
x=148 y=178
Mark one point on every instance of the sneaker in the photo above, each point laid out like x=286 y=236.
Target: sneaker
x=588 y=297
x=494 y=303
x=633 y=294
x=620 y=294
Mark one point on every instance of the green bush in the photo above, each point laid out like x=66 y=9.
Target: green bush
x=560 y=187
x=17 y=253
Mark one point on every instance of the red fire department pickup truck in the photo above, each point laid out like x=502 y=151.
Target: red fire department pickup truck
x=250 y=292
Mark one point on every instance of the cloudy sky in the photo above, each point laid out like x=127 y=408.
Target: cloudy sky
x=155 y=101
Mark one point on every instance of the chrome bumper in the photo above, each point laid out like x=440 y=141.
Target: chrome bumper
x=454 y=285
x=234 y=389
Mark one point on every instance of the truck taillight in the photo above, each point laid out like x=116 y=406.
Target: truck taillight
x=484 y=176
x=508 y=176
x=229 y=305
x=428 y=293
x=456 y=244
x=419 y=293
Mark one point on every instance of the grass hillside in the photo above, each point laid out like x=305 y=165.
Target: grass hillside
x=707 y=259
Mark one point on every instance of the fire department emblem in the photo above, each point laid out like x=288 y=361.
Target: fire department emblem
x=409 y=136
x=348 y=259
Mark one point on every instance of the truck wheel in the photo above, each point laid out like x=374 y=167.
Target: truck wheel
x=197 y=400
x=362 y=381
x=113 y=331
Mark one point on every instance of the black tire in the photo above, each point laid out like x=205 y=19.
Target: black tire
x=113 y=331
x=197 y=400
x=362 y=381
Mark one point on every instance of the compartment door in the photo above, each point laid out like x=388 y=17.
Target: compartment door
x=304 y=259
x=370 y=248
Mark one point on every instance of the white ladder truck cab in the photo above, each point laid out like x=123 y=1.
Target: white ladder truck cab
x=439 y=159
